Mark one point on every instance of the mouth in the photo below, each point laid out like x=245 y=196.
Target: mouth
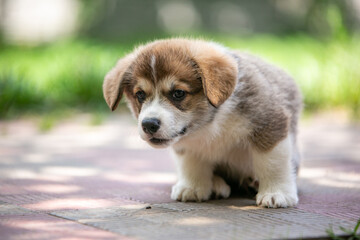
x=163 y=141
x=159 y=141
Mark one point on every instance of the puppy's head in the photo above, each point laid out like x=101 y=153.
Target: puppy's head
x=173 y=87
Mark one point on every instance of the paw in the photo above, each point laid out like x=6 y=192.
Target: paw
x=183 y=192
x=276 y=199
x=220 y=188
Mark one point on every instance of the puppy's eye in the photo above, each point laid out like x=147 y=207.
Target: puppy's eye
x=141 y=96
x=178 y=95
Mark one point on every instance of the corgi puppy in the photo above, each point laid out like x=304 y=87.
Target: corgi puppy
x=225 y=114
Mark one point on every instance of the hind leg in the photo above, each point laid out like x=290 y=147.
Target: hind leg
x=220 y=188
x=277 y=180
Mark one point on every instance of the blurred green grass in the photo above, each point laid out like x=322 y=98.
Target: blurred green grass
x=69 y=74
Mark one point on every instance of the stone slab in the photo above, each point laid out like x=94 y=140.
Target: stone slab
x=224 y=219
x=85 y=182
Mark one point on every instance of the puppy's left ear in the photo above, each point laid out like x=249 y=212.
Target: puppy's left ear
x=115 y=80
x=219 y=74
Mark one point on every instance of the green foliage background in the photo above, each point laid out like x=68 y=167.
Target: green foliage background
x=69 y=74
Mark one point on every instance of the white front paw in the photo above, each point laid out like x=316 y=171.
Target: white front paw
x=185 y=193
x=276 y=199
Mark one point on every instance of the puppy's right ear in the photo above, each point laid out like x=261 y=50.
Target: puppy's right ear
x=115 y=80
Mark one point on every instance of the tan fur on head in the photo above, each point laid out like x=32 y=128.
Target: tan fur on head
x=217 y=69
x=113 y=85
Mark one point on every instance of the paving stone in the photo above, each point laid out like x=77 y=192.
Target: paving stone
x=147 y=194
x=9 y=209
x=100 y=185
x=40 y=226
x=25 y=198
x=195 y=220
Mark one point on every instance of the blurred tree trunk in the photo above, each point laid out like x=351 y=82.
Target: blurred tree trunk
x=332 y=18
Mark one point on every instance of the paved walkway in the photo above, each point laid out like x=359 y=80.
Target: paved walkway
x=102 y=182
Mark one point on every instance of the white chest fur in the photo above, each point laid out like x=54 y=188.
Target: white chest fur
x=223 y=142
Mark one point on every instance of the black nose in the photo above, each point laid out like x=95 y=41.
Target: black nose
x=150 y=125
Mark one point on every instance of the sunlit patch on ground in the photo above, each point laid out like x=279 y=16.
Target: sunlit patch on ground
x=118 y=183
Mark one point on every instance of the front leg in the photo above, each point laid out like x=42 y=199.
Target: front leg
x=277 y=179
x=194 y=179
